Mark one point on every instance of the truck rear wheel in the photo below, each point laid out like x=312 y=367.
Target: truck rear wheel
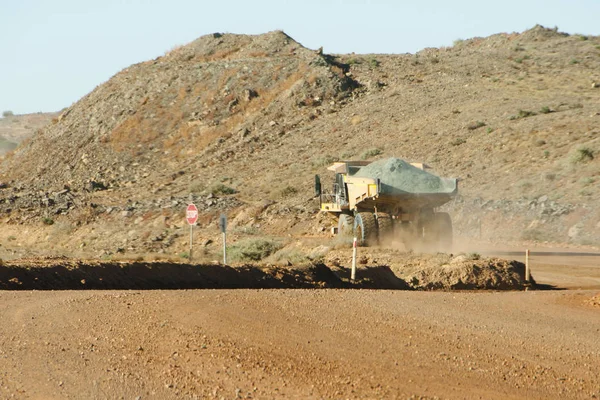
x=437 y=232
x=385 y=228
x=345 y=224
x=443 y=224
x=365 y=228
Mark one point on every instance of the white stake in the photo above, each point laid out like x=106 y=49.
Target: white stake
x=353 y=274
x=527 y=271
x=224 y=248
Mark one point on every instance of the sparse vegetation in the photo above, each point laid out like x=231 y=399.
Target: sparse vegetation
x=323 y=161
x=549 y=176
x=523 y=114
x=291 y=257
x=7 y=114
x=458 y=142
x=371 y=153
x=574 y=61
x=475 y=125
x=47 y=221
x=197 y=187
x=374 y=63
x=246 y=230
x=221 y=189
x=458 y=42
x=185 y=255
x=582 y=155
x=546 y=110
x=588 y=180
x=288 y=191
x=347 y=155
x=490 y=130
x=253 y=249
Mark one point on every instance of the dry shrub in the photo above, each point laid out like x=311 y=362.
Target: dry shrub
x=290 y=256
x=253 y=249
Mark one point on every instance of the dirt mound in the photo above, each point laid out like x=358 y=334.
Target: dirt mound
x=432 y=271
x=466 y=273
x=61 y=273
x=71 y=274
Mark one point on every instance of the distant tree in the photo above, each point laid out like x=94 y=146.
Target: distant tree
x=7 y=113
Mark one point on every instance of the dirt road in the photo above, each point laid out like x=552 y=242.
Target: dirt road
x=293 y=343
x=562 y=268
x=298 y=344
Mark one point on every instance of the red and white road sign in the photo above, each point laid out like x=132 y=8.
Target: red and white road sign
x=191 y=214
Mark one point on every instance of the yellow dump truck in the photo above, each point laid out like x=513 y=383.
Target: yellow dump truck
x=390 y=200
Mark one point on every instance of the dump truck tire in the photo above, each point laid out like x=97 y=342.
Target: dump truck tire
x=443 y=227
x=345 y=224
x=406 y=233
x=365 y=228
x=437 y=232
x=385 y=228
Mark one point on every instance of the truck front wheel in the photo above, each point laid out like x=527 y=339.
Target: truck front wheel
x=365 y=228
x=345 y=224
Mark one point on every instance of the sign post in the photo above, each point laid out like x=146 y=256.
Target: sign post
x=223 y=226
x=353 y=274
x=191 y=216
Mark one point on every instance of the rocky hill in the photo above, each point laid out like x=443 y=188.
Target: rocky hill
x=240 y=124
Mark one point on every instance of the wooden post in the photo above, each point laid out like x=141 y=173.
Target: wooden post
x=527 y=271
x=353 y=274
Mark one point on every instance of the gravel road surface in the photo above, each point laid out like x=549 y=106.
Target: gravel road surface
x=314 y=343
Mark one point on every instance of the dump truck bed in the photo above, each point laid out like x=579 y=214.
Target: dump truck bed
x=399 y=182
x=391 y=182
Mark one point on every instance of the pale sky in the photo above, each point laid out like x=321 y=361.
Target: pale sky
x=56 y=51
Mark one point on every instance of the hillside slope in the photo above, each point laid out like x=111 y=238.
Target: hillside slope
x=514 y=116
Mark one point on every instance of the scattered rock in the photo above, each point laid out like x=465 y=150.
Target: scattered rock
x=575 y=231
